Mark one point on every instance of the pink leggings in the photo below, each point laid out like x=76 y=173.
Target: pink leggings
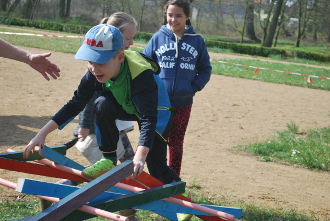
x=176 y=136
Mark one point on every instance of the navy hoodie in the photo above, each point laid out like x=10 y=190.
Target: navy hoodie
x=185 y=63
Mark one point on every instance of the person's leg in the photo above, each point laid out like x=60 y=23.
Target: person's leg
x=107 y=134
x=157 y=160
x=107 y=110
x=129 y=152
x=176 y=136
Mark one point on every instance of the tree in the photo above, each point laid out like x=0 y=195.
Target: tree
x=273 y=24
x=249 y=23
x=280 y=24
x=305 y=9
x=64 y=8
x=4 y=5
x=141 y=17
x=29 y=8
x=265 y=23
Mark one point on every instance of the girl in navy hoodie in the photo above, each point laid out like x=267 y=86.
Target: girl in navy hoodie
x=185 y=69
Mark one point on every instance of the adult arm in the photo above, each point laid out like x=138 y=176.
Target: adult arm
x=38 y=62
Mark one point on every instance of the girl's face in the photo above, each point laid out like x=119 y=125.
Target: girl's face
x=176 y=18
x=128 y=35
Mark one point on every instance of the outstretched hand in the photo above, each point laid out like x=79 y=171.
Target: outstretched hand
x=40 y=63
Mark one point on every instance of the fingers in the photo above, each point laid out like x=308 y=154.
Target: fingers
x=53 y=72
x=27 y=150
x=41 y=149
x=138 y=168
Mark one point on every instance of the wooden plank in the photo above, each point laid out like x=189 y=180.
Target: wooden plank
x=37 y=169
x=150 y=179
x=60 y=158
x=85 y=208
x=18 y=155
x=78 y=198
x=107 y=200
x=147 y=181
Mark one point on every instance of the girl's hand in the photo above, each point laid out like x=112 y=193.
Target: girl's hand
x=83 y=133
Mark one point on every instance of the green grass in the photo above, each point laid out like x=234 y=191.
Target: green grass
x=29 y=206
x=273 y=76
x=309 y=149
x=19 y=208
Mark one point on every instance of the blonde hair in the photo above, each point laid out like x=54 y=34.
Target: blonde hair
x=119 y=20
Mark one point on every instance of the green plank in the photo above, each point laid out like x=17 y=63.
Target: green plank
x=18 y=155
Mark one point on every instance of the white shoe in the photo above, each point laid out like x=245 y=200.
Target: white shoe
x=90 y=149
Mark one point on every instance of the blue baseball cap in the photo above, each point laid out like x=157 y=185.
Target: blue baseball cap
x=101 y=44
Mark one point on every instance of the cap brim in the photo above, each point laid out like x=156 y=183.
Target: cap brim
x=100 y=57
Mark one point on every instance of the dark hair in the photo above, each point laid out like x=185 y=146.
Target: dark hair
x=184 y=4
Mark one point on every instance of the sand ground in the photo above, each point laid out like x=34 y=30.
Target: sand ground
x=228 y=112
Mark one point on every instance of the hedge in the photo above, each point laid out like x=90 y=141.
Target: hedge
x=237 y=48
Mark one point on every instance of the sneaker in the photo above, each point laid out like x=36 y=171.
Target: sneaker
x=183 y=216
x=70 y=182
x=97 y=169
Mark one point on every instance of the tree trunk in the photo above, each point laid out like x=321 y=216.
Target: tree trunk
x=3 y=5
x=13 y=6
x=141 y=17
x=273 y=24
x=68 y=8
x=265 y=27
x=29 y=9
x=62 y=8
x=249 y=27
x=280 y=25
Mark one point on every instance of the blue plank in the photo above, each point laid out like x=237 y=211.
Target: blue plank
x=81 y=196
x=161 y=207
x=60 y=159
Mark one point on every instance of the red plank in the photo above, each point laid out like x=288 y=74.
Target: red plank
x=37 y=169
x=147 y=181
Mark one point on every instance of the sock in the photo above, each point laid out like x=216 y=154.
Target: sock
x=113 y=159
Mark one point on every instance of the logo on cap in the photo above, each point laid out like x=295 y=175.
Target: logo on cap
x=93 y=43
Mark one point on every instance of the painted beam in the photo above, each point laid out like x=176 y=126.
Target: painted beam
x=108 y=201
x=147 y=181
x=78 y=198
x=37 y=169
x=60 y=158
x=18 y=155
x=85 y=208
x=56 y=190
x=147 y=178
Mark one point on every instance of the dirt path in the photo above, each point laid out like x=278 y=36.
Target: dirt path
x=228 y=112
